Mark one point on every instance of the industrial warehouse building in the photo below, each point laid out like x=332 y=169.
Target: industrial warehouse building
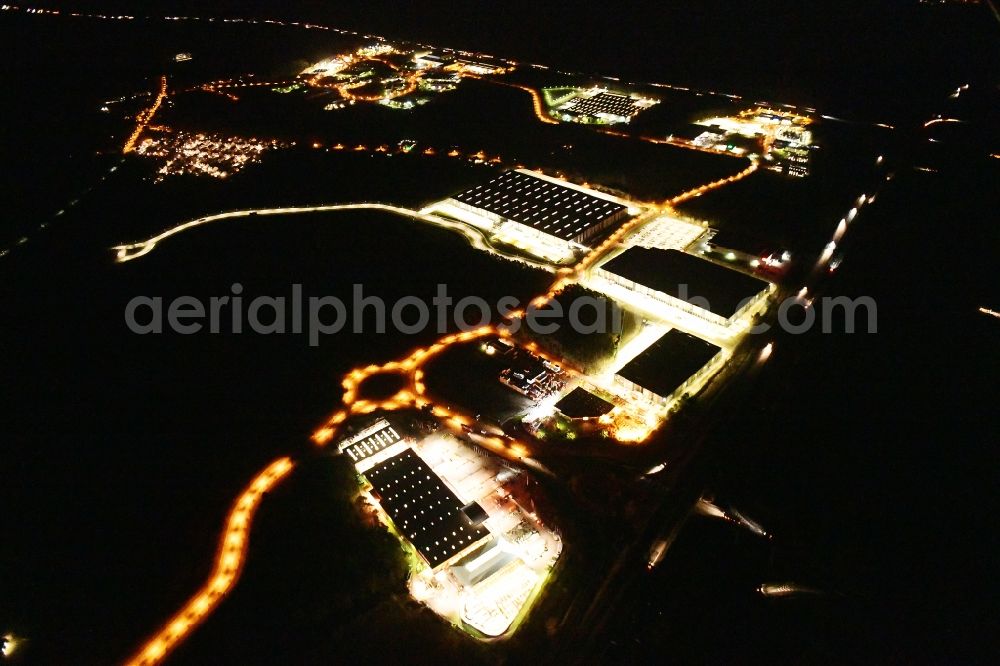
x=608 y=106
x=697 y=286
x=369 y=442
x=669 y=367
x=439 y=525
x=431 y=61
x=542 y=207
x=582 y=404
x=484 y=556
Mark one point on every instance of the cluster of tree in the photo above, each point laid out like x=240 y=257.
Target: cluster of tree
x=602 y=328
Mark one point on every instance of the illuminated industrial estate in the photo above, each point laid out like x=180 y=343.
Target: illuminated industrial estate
x=480 y=555
x=594 y=105
x=490 y=601
x=457 y=495
x=393 y=76
x=782 y=137
x=515 y=339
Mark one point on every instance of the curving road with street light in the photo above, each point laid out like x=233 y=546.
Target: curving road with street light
x=229 y=562
x=477 y=238
x=146 y=116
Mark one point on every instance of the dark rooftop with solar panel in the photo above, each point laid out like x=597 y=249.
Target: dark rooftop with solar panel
x=605 y=102
x=423 y=508
x=553 y=208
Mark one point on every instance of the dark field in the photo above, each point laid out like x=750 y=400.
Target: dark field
x=130 y=450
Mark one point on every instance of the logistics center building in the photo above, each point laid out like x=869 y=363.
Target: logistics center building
x=694 y=285
x=676 y=362
x=424 y=509
x=542 y=207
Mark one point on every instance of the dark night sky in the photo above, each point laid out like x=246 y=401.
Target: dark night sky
x=872 y=56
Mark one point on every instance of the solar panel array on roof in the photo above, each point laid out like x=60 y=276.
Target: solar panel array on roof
x=605 y=102
x=372 y=444
x=423 y=508
x=557 y=210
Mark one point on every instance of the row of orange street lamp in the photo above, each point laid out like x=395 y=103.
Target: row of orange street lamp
x=228 y=563
x=669 y=141
x=536 y=99
x=146 y=116
x=429 y=151
x=412 y=397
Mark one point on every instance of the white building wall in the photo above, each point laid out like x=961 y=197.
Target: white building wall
x=684 y=306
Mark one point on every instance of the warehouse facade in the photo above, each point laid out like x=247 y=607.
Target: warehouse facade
x=542 y=207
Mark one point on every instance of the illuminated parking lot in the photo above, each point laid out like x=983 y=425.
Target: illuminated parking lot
x=483 y=555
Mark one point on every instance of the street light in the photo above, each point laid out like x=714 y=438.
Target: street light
x=766 y=352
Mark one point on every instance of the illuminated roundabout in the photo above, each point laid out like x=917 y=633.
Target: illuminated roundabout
x=413 y=394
